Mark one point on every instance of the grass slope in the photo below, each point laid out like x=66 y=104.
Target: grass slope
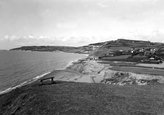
x=68 y=98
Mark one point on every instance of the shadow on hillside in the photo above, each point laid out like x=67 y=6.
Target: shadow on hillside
x=51 y=83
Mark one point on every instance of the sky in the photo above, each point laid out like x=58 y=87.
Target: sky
x=79 y=22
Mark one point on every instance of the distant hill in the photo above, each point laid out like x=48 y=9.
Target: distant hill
x=97 y=49
x=125 y=45
x=83 y=49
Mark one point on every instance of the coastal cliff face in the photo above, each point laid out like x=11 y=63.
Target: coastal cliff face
x=93 y=71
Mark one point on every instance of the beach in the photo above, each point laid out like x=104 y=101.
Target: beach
x=91 y=71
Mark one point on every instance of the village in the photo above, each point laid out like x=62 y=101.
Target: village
x=140 y=55
x=126 y=61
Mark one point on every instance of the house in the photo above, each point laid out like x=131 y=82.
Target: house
x=142 y=82
x=92 y=57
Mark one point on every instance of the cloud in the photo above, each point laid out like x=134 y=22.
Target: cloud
x=119 y=4
x=67 y=25
x=134 y=0
x=102 y=5
x=75 y=22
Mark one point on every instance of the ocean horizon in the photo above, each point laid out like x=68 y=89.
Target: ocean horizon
x=18 y=68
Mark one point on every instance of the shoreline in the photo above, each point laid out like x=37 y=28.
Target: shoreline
x=28 y=82
x=23 y=83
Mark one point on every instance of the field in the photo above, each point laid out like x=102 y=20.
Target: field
x=121 y=57
x=139 y=70
x=67 y=98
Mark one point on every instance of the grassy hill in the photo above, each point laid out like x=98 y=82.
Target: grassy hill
x=125 y=44
x=67 y=98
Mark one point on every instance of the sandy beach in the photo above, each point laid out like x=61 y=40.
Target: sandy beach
x=91 y=71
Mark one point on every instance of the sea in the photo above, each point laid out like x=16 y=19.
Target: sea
x=18 y=68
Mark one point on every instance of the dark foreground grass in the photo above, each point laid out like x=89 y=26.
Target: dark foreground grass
x=67 y=98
